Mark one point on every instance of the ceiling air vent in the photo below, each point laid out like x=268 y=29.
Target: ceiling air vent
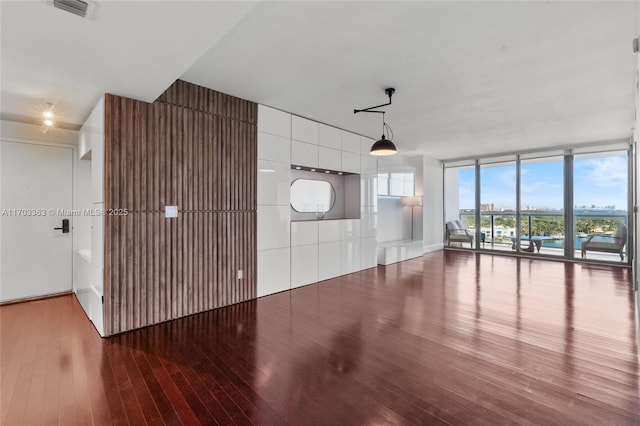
x=81 y=8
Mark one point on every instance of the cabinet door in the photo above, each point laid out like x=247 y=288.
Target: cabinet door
x=329 y=158
x=304 y=265
x=330 y=137
x=97 y=173
x=94 y=129
x=304 y=130
x=304 y=154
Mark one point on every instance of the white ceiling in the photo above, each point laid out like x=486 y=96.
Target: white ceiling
x=472 y=78
x=129 y=48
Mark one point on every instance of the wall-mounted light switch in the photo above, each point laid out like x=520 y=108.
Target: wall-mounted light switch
x=240 y=274
x=171 y=211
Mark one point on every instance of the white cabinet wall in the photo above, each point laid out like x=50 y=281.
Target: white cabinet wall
x=368 y=205
x=304 y=154
x=329 y=158
x=293 y=254
x=304 y=130
x=92 y=132
x=89 y=261
x=330 y=137
x=304 y=265
x=274 y=214
x=84 y=149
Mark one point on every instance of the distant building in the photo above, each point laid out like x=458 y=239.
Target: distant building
x=486 y=207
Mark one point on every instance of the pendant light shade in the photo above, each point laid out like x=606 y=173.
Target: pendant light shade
x=383 y=147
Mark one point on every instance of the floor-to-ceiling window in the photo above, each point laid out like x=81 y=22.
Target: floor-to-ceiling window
x=460 y=194
x=600 y=196
x=542 y=205
x=571 y=203
x=498 y=204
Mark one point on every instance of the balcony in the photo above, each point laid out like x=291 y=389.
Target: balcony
x=499 y=229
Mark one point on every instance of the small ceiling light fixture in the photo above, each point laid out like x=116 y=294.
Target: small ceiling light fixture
x=313 y=170
x=48 y=115
x=47 y=112
x=383 y=146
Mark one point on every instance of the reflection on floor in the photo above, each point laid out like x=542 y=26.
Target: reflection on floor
x=454 y=337
x=549 y=251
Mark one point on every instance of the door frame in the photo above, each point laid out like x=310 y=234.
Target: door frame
x=74 y=173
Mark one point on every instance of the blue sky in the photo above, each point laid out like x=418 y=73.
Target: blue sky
x=597 y=180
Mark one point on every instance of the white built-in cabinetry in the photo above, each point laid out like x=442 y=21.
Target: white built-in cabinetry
x=89 y=223
x=296 y=253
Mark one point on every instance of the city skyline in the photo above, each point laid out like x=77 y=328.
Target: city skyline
x=598 y=181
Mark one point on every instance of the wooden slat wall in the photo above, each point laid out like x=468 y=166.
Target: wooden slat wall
x=194 y=148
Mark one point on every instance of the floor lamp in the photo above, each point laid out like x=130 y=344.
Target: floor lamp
x=412 y=202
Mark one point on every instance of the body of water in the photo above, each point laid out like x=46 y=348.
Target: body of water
x=577 y=244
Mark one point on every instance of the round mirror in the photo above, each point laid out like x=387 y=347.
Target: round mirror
x=312 y=196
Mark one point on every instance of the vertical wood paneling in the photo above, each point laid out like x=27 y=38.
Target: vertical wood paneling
x=195 y=148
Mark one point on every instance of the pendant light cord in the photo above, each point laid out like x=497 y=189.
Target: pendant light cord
x=389 y=131
x=388 y=128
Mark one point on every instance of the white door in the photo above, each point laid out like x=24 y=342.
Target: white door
x=36 y=186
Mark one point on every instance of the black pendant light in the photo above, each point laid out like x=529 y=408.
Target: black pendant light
x=383 y=146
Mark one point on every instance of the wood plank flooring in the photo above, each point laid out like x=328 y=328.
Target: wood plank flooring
x=450 y=338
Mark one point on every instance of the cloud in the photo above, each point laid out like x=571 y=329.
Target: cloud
x=605 y=172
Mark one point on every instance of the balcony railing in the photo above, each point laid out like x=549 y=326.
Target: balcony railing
x=498 y=228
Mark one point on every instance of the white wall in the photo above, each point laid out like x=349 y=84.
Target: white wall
x=292 y=254
x=394 y=218
x=451 y=194
x=11 y=130
x=418 y=212
x=433 y=205
x=30 y=132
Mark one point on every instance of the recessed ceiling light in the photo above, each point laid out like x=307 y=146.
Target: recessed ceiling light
x=327 y=171
x=298 y=167
x=313 y=170
x=340 y=173
x=48 y=122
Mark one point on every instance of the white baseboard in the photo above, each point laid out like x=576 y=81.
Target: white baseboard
x=433 y=247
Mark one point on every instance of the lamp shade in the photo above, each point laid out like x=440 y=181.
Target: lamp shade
x=383 y=147
x=412 y=201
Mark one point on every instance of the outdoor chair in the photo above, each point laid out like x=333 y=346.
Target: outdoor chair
x=457 y=232
x=616 y=245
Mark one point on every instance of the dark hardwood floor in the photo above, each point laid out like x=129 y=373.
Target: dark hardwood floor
x=451 y=338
